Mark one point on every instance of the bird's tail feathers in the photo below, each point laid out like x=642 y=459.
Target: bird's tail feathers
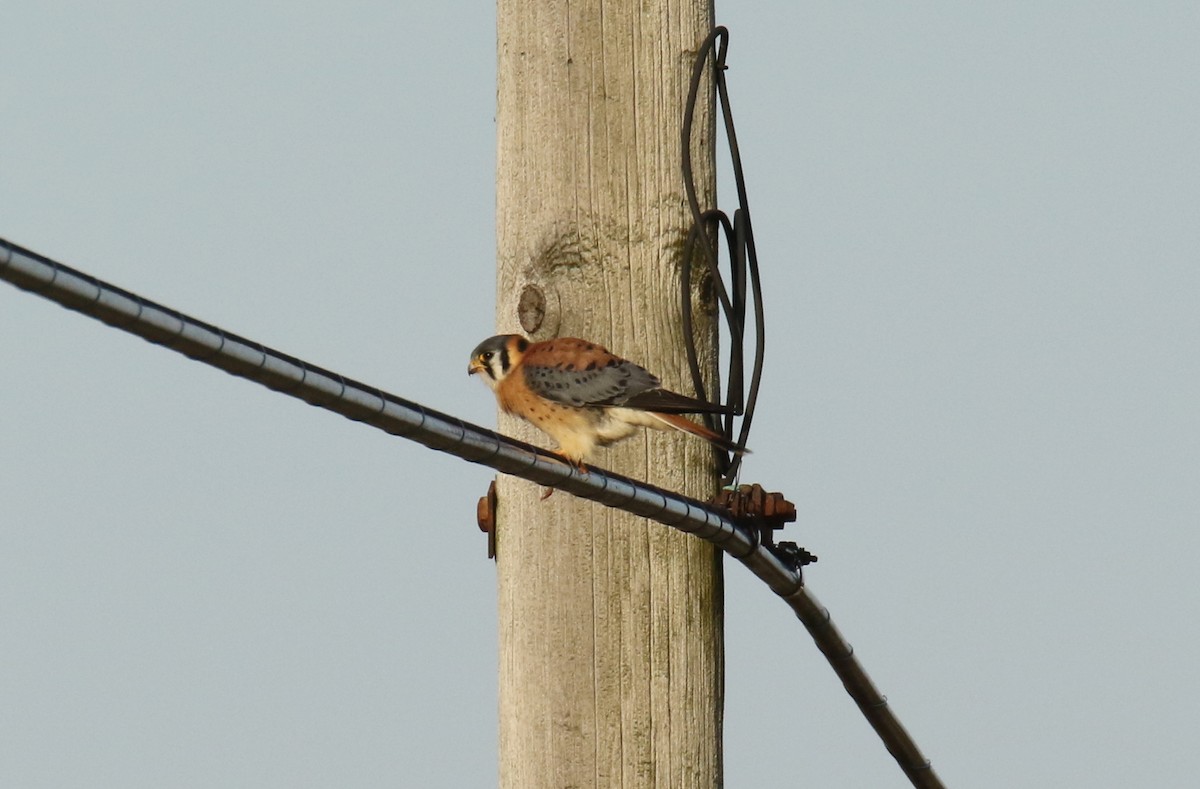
x=685 y=425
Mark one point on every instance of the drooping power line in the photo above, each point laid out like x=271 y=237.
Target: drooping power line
x=356 y=401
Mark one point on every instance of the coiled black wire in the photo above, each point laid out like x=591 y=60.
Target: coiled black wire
x=709 y=228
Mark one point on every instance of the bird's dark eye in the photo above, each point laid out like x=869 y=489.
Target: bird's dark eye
x=486 y=356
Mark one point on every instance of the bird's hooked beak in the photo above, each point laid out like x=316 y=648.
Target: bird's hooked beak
x=474 y=367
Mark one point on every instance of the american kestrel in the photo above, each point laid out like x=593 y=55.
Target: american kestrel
x=581 y=395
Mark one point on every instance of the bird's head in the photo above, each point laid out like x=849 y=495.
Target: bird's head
x=495 y=356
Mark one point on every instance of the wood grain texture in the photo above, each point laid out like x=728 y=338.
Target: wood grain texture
x=611 y=656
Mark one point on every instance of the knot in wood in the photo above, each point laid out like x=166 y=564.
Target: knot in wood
x=531 y=308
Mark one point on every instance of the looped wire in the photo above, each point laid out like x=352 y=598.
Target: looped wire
x=709 y=228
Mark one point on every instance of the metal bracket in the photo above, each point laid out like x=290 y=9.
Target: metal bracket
x=765 y=512
x=485 y=514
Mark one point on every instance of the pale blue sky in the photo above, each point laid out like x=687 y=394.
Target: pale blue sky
x=979 y=233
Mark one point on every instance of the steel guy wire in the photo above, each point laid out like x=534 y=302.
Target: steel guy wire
x=359 y=402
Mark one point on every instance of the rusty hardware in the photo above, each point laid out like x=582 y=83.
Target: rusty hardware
x=755 y=507
x=485 y=514
x=766 y=512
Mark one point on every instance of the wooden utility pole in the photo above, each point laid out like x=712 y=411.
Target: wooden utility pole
x=611 y=654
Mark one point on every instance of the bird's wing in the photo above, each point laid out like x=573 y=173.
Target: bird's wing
x=579 y=373
x=664 y=401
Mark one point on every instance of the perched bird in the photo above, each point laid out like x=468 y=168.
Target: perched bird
x=581 y=395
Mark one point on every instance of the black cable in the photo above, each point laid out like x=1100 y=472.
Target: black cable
x=779 y=569
x=709 y=227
